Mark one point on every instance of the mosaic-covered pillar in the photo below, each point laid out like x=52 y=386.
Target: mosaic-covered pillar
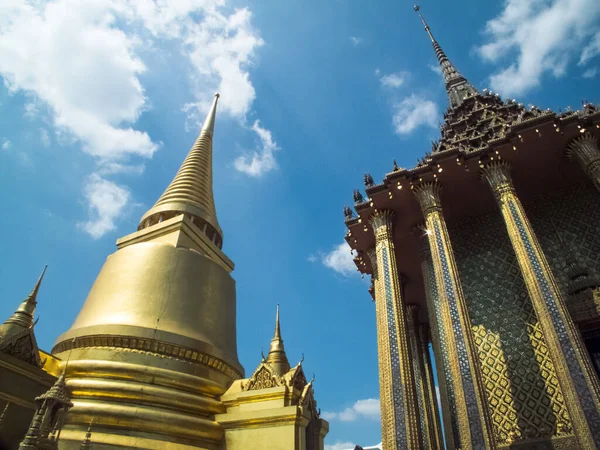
x=430 y=395
x=473 y=419
x=428 y=436
x=438 y=342
x=574 y=369
x=585 y=151
x=398 y=396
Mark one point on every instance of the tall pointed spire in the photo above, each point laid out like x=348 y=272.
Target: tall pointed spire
x=23 y=316
x=16 y=334
x=457 y=86
x=191 y=191
x=277 y=357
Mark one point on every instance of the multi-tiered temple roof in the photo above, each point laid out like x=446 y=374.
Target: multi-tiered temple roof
x=478 y=126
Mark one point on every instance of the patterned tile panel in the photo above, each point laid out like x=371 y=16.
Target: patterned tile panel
x=524 y=397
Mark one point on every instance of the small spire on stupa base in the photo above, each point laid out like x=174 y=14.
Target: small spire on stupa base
x=277 y=358
x=86 y=444
x=49 y=417
x=457 y=86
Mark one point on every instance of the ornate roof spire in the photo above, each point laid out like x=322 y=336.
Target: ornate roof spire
x=16 y=334
x=191 y=191
x=23 y=316
x=277 y=358
x=457 y=86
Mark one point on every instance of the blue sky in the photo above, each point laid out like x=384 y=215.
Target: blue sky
x=101 y=102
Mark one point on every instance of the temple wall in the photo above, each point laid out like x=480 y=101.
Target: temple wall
x=525 y=399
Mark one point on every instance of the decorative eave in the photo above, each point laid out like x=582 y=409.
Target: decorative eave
x=516 y=138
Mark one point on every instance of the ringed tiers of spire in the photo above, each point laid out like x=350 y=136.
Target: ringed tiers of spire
x=277 y=357
x=457 y=86
x=191 y=191
x=23 y=316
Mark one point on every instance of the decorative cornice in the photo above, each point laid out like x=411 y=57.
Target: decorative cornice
x=149 y=346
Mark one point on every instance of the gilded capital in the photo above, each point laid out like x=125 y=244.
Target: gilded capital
x=497 y=174
x=428 y=194
x=382 y=223
x=585 y=151
x=585 y=145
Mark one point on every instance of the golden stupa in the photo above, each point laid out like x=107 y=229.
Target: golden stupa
x=151 y=359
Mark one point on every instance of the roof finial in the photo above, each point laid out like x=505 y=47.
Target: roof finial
x=277 y=326
x=209 y=122
x=457 y=86
x=23 y=316
x=277 y=357
x=19 y=328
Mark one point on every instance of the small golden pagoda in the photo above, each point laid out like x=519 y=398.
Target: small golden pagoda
x=151 y=359
x=488 y=249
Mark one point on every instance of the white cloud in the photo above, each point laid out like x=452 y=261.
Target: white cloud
x=393 y=80
x=545 y=35
x=591 y=50
x=340 y=259
x=356 y=40
x=261 y=161
x=312 y=258
x=363 y=409
x=44 y=137
x=106 y=203
x=590 y=73
x=413 y=112
x=340 y=446
x=435 y=68
x=7 y=144
x=81 y=63
x=349 y=446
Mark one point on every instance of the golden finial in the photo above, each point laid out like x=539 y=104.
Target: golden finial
x=23 y=316
x=277 y=358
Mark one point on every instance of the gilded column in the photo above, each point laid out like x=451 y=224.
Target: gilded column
x=399 y=411
x=439 y=343
x=473 y=419
x=585 y=151
x=574 y=369
x=430 y=394
x=426 y=413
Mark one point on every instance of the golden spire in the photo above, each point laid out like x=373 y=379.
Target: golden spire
x=191 y=191
x=23 y=316
x=277 y=358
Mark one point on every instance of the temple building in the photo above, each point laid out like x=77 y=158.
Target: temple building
x=151 y=360
x=488 y=250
